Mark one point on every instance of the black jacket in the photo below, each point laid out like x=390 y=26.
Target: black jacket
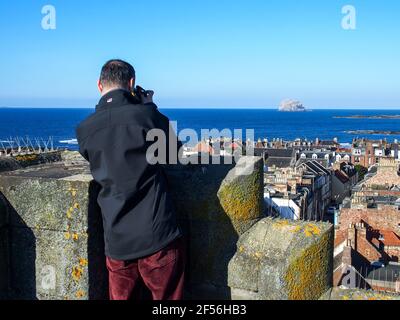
x=138 y=215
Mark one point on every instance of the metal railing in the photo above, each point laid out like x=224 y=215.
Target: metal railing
x=14 y=146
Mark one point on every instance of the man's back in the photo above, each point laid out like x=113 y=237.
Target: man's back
x=137 y=211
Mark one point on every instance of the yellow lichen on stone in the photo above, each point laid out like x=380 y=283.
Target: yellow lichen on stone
x=69 y=212
x=83 y=262
x=382 y=297
x=307 y=277
x=73 y=191
x=28 y=157
x=295 y=229
x=377 y=296
x=77 y=273
x=80 y=294
x=311 y=229
x=242 y=200
x=239 y=209
x=281 y=223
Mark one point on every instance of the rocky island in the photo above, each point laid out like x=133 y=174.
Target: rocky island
x=291 y=106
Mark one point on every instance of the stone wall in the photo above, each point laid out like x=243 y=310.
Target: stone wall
x=216 y=204
x=50 y=211
x=358 y=294
x=51 y=240
x=282 y=259
x=9 y=163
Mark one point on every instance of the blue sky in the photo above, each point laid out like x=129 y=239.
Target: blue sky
x=208 y=53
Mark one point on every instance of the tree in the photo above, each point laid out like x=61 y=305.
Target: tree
x=362 y=171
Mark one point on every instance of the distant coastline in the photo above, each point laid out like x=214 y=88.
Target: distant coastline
x=383 y=116
x=373 y=132
x=60 y=123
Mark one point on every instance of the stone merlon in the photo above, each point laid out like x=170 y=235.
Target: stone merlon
x=51 y=239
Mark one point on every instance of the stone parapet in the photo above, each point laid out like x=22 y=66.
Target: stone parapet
x=51 y=238
x=53 y=232
x=281 y=259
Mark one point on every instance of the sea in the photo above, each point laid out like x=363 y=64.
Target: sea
x=60 y=123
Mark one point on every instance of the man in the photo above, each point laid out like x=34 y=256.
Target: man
x=143 y=242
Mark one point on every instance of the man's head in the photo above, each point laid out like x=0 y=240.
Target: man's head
x=116 y=74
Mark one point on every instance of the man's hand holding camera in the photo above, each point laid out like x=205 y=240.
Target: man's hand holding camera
x=145 y=96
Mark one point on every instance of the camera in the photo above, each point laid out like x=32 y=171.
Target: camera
x=139 y=92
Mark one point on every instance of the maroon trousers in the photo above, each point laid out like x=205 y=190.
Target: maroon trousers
x=161 y=273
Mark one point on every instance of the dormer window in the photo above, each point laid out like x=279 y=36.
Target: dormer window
x=381 y=237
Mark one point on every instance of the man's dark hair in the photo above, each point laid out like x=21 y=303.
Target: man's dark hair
x=116 y=73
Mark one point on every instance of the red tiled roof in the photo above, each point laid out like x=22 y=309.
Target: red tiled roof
x=204 y=147
x=234 y=146
x=375 y=241
x=389 y=238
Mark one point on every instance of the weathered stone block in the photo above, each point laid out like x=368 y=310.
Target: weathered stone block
x=53 y=196
x=48 y=265
x=219 y=192
x=54 y=232
x=216 y=204
x=53 y=204
x=282 y=259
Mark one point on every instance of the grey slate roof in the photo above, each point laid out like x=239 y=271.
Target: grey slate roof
x=278 y=162
x=390 y=273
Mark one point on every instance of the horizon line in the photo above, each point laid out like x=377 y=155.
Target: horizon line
x=221 y=108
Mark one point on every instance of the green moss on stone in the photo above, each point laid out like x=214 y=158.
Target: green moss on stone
x=308 y=275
